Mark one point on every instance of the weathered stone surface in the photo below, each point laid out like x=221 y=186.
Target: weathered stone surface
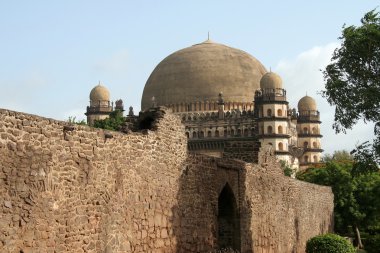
x=77 y=191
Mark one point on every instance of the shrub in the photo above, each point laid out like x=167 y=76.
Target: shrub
x=329 y=243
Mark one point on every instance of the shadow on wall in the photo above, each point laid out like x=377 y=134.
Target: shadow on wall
x=149 y=119
x=211 y=213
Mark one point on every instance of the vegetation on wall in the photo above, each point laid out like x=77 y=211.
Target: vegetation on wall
x=114 y=122
x=288 y=171
x=73 y=120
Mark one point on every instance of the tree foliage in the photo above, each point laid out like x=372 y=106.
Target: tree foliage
x=356 y=196
x=114 y=122
x=339 y=156
x=365 y=159
x=352 y=80
x=329 y=243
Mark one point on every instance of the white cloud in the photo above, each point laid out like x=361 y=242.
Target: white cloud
x=303 y=75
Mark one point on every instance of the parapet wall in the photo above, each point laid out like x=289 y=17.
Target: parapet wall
x=80 y=189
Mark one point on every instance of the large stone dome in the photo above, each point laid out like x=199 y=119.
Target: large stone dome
x=200 y=73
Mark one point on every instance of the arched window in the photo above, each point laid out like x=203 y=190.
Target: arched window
x=194 y=134
x=216 y=133
x=305 y=144
x=280 y=129
x=280 y=146
x=239 y=132
x=209 y=133
x=306 y=159
x=187 y=135
x=315 y=145
x=314 y=130
x=269 y=113
x=201 y=134
x=279 y=112
x=232 y=132
x=269 y=129
x=225 y=133
x=261 y=130
x=315 y=158
x=246 y=132
x=305 y=130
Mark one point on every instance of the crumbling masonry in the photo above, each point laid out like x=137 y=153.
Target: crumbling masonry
x=79 y=189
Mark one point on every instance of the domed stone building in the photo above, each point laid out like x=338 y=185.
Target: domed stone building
x=100 y=106
x=229 y=103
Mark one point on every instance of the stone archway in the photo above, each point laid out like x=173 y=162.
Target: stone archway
x=228 y=220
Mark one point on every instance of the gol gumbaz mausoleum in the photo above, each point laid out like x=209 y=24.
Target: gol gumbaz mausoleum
x=226 y=98
x=196 y=171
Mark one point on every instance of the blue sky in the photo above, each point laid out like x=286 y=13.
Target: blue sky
x=54 y=52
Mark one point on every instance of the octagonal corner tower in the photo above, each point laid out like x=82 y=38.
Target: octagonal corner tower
x=197 y=74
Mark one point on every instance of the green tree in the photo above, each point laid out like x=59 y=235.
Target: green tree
x=356 y=196
x=338 y=156
x=114 y=122
x=352 y=80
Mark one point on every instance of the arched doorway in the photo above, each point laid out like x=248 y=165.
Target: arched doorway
x=228 y=220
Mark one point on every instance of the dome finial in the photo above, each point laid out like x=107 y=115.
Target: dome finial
x=208 y=35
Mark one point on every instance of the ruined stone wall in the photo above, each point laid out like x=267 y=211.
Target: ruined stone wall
x=65 y=189
x=285 y=212
x=277 y=214
x=77 y=191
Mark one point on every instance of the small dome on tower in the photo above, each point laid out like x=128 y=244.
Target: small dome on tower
x=99 y=93
x=271 y=81
x=307 y=104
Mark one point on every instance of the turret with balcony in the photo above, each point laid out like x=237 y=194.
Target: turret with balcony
x=271 y=112
x=308 y=129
